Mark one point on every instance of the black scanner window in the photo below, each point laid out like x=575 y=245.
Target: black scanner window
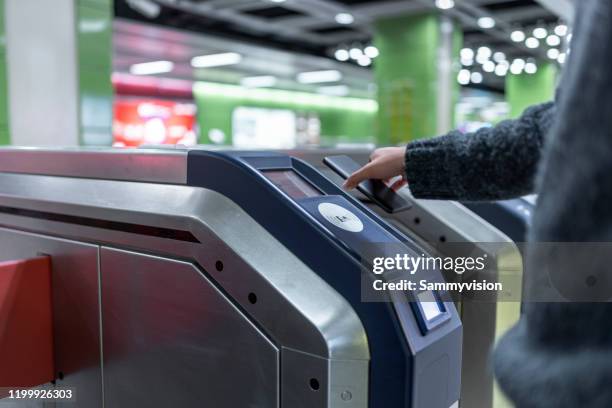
x=292 y=184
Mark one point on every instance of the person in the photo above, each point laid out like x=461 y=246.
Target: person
x=490 y=164
x=559 y=354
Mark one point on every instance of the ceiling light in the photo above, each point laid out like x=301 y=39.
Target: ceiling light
x=561 y=58
x=216 y=60
x=553 y=53
x=342 y=54
x=485 y=51
x=344 y=18
x=499 y=56
x=532 y=42
x=516 y=69
x=445 y=4
x=540 y=32
x=262 y=81
x=371 y=51
x=467 y=62
x=464 y=77
x=486 y=22
x=561 y=30
x=364 y=61
x=355 y=53
x=482 y=58
x=488 y=66
x=476 y=77
x=317 y=77
x=553 y=40
x=336 y=90
x=467 y=54
x=531 y=68
x=569 y=38
x=152 y=68
x=501 y=70
x=517 y=36
x=147 y=8
x=519 y=62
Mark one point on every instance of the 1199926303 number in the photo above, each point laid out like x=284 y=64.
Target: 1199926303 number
x=51 y=394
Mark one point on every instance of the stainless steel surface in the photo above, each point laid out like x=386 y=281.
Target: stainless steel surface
x=146 y=165
x=337 y=391
x=75 y=308
x=219 y=224
x=254 y=261
x=171 y=339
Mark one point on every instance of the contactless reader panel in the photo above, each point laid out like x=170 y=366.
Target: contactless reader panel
x=325 y=228
x=376 y=190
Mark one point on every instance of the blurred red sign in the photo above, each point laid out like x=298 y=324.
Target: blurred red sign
x=153 y=121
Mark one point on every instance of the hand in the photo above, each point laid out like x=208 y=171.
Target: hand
x=385 y=163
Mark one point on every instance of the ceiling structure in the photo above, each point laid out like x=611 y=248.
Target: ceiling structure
x=319 y=27
x=137 y=43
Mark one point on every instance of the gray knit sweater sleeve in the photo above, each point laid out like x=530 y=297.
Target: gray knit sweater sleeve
x=491 y=164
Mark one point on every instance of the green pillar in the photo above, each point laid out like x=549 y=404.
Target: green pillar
x=95 y=50
x=525 y=90
x=415 y=76
x=4 y=115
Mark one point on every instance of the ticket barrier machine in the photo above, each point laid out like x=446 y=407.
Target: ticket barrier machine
x=513 y=217
x=231 y=280
x=432 y=223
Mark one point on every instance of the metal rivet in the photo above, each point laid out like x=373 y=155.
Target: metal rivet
x=346 y=396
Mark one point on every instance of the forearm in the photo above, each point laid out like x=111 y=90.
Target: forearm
x=490 y=164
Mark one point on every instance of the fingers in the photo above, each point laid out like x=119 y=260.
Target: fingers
x=384 y=163
x=360 y=175
x=398 y=184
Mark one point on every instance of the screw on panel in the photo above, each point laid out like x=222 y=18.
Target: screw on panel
x=346 y=396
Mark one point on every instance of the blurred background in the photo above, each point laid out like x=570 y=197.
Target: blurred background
x=271 y=73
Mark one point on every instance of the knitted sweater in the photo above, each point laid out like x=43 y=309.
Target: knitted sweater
x=491 y=164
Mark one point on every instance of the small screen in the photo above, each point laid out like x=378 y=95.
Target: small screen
x=292 y=184
x=430 y=305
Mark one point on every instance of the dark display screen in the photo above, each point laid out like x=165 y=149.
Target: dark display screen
x=429 y=305
x=292 y=184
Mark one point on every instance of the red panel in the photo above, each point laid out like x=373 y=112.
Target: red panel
x=148 y=86
x=26 y=330
x=151 y=121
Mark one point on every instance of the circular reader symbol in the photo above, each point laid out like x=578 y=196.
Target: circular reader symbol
x=340 y=217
